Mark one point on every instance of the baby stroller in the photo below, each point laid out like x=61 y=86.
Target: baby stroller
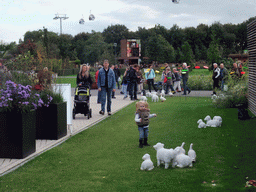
x=82 y=101
x=160 y=86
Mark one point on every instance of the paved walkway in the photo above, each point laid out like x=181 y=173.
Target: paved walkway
x=80 y=124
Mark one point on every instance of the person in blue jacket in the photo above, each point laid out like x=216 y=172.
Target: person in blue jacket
x=106 y=84
x=150 y=77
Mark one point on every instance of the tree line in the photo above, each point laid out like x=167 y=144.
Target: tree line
x=175 y=45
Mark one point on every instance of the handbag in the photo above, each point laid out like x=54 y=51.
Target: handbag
x=165 y=79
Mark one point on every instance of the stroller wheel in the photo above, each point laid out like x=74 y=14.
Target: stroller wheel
x=88 y=116
x=74 y=113
x=90 y=113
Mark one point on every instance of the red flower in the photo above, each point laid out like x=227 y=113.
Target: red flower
x=252 y=182
x=38 y=87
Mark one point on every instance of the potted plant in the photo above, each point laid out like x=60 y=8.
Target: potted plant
x=52 y=118
x=17 y=120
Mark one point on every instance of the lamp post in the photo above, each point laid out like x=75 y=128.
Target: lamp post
x=60 y=16
x=115 y=44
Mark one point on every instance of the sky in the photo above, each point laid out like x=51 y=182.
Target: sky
x=19 y=16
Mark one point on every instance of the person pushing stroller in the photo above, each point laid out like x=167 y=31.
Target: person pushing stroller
x=82 y=92
x=83 y=77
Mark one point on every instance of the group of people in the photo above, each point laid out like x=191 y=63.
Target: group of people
x=220 y=75
x=132 y=83
x=172 y=79
x=106 y=78
x=133 y=80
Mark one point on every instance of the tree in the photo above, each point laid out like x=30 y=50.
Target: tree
x=179 y=55
x=81 y=36
x=160 y=30
x=114 y=34
x=192 y=37
x=188 y=55
x=159 y=49
x=204 y=34
x=65 y=46
x=8 y=50
x=33 y=36
x=153 y=48
x=46 y=41
x=213 y=54
x=143 y=34
x=27 y=46
x=198 y=54
x=176 y=36
x=94 y=48
x=241 y=34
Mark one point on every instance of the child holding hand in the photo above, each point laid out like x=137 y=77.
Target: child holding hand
x=142 y=117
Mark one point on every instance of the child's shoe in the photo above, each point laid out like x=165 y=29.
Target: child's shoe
x=141 y=144
x=146 y=142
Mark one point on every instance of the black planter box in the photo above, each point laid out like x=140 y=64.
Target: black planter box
x=52 y=122
x=17 y=134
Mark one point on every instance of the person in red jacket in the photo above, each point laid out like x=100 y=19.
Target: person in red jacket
x=96 y=79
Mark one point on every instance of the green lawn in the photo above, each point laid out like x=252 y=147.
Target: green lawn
x=71 y=81
x=106 y=157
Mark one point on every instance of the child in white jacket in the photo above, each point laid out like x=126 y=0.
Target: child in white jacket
x=142 y=117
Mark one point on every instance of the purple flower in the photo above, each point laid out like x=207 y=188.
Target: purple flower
x=35 y=106
x=50 y=98
x=25 y=103
x=40 y=102
x=10 y=99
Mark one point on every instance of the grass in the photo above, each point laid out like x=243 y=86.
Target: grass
x=71 y=81
x=106 y=157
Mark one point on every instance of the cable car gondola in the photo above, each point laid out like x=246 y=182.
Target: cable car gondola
x=176 y=1
x=91 y=17
x=81 y=21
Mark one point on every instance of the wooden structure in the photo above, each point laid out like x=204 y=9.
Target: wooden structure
x=240 y=57
x=130 y=51
x=251 y=35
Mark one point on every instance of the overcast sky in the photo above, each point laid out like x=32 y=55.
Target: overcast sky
x=19 y=16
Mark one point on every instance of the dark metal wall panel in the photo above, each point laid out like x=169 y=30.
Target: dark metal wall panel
x=251 y=43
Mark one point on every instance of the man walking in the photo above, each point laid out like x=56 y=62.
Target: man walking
x=184 y=74
x=133 y=82
x=215 y=77
x=117 y=75
x=113 y=93
x=106 y=84
x=223 y=75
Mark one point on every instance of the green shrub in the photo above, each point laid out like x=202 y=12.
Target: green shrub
x=78 y=62
x=200 y=82
x=237 y=93
x=76 y=71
